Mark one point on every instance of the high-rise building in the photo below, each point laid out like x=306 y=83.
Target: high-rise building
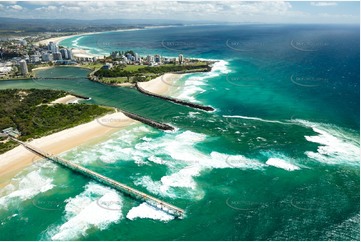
x=136 y=57
x=157 y=58
x=180 y=58
x=23 y=67
x=129 y=56
x=57 y=56
x=53 y=47
x=70 y=54
x=150 y=59
x=64 y=54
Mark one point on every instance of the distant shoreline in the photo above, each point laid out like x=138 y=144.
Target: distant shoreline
x=81 y=53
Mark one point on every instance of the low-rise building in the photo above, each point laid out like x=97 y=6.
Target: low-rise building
x=46 y=57
x=11 y=132
x=34 y=58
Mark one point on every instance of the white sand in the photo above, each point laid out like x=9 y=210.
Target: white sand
x=55 y=39
x=161 y=85
x=67 y=99
x=76 y=52
x=17 y=159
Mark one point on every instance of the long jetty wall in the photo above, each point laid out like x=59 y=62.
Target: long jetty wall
x=79 y=96
x=147 y=121
x=175 y=100
x=154 y=202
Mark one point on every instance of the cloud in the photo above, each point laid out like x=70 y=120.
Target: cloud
x=205 y=11
x=228 y=10
x=46 y=9
x=8 y=2
x=15 y=7
x=323 y=4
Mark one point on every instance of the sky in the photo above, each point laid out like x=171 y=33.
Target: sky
x=220 y=11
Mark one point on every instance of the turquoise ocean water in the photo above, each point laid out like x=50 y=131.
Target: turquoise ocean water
x=277 y=160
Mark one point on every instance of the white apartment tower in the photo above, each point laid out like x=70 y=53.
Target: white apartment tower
x=180 y=58
x=23 y=67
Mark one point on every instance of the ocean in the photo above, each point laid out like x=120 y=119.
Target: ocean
x=279 y=159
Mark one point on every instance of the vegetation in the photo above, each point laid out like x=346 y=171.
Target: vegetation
x=91 y=65
x=27 y=110
x=137 y=73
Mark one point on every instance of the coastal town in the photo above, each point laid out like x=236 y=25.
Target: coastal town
x=19 y=57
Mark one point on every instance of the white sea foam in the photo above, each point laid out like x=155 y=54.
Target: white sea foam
x=110 y=151
x=187 y=163
x=337 y=145
x=193 y=84
x=75 y=43
x=255 y=118
x=189 y=92
x=156 y=159
x=96 y=207
x=280 y=163
x=144 y=210
x=24 y=187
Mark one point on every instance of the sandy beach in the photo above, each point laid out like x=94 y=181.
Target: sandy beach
x=80 y=53
x=15 y=160
x=66 y=100
x=42 y=68
x=55 y=39
x=161 y=85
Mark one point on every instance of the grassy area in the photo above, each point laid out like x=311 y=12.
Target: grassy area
x=132 y=79
x=91 y=66
x=133 y=68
